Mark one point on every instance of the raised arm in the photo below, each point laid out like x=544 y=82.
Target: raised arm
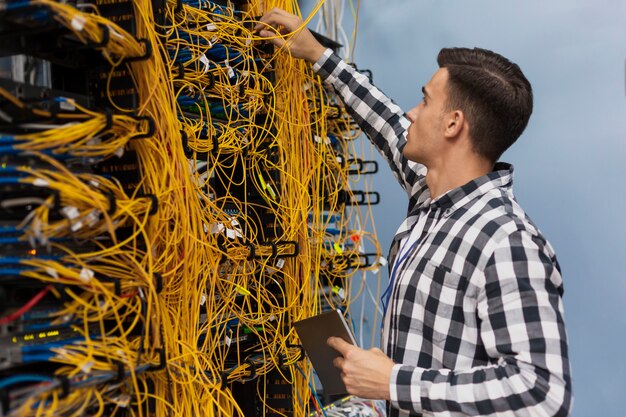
x=379 y=117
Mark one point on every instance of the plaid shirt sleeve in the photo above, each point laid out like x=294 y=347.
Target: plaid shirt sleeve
x=523 y=332
x=379 y=117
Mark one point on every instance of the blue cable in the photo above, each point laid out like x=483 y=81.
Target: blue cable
x=18 y=379
x=313 y=391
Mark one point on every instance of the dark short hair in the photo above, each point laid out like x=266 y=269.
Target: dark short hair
x=493 y=93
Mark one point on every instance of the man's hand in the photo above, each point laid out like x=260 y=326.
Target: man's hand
x=286 y=30
x=365 y=373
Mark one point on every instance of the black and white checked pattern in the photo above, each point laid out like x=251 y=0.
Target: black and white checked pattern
x=475 y=320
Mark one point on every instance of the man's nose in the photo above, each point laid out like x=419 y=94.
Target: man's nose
x=411 y=114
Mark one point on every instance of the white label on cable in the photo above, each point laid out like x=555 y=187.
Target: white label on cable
x=67 y=104
x=228 y=341
x=211 y=27
x=78 y=22
x=280 y=263
x=119 y=152
x=86 y=275
x=217 y=228
x=245 y=73
x=231 y=72
x=52 y=272
x=92 y=218
x=205 y=61
x=76 y=226
x=39 y=182
x=70 y=212
x=317 y=139
x=202 y=299
x=230 y=233
x=327 y=140
x=382 y=261
x=341 y=293
x=86 y=367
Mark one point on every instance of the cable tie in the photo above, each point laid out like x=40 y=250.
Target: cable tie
x=65 y=386
x=112 y=203
x=162 y=360
x=252 y=251
x=120 y=374
x=158 y=286
x=224 y=379
x=302 y=354
x=151 y=127
x=117 y=287
x=181 y=71
x=185 y=141
x=253 y=374
x=106 y=36
x=5 y=400
x=147 y=54
x=154 y=203
x=215 y=144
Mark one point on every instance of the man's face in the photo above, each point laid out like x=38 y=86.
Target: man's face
x=425 y=134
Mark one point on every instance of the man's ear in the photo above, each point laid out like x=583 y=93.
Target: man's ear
x=454 y=123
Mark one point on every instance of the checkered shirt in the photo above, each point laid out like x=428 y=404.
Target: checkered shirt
x=475 y=319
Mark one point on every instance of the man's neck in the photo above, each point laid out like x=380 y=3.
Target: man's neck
x=448 y=175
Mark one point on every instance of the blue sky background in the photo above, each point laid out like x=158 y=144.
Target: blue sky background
x=570 y=163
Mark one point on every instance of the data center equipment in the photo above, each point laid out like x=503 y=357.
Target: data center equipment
x=175 y=192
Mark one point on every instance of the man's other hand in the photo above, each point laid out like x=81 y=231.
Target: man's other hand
x=286 y=30
x=365 y=373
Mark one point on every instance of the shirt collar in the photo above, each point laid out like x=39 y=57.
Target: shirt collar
x=500 y=177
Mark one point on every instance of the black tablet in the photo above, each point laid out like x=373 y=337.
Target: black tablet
x=313 y=333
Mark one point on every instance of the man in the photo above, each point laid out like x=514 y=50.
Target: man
x=474 y=324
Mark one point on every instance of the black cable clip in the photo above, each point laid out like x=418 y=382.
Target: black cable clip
x=185 y=141
x=147 y=52
x=252 y=251
x=274 y=250
x=216 y=144
x=302 y=354
x=334 y=116
x=108 y=113
x=179 y=6
x=253 y=373
x=360 y=170
x=224 y=379
x=294 y=252
x=154 y=203
x=119 y=372
x=362 y=198
x=151 y=127
x=162 y=360
x=5 y=400
x=112 y=203
x=106 y=36
x=65 y=386
x=158 y=285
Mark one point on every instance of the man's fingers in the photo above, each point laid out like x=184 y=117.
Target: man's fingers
x=339 y=345
x=276 y=18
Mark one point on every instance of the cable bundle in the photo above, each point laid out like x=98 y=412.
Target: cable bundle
x=166 y=280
